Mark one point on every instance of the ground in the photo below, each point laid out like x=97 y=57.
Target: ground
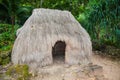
x=111 y=68
x=61 y=71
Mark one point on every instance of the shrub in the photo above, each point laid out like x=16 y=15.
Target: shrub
x=6 y=42
x=5 y=57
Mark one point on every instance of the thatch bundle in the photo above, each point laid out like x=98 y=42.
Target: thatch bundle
x=42 y=30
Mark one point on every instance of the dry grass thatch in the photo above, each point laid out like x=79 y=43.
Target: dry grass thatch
x=42 y=30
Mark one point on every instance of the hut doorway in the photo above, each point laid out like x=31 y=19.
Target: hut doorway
x=58 y=52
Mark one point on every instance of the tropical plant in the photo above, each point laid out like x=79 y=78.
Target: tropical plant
x=104 y=20
x=12 y=12
x=6 y=42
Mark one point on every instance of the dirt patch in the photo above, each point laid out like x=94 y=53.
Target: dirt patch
x=60 y=71
x=111 y=68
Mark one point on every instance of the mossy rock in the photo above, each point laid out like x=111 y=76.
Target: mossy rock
x=19 y=72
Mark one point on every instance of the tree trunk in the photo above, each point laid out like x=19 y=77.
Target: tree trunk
x=41 y=3
x=13 y=23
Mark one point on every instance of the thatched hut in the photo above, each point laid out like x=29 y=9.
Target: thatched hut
x=49 y=32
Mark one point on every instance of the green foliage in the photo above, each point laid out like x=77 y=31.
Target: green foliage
x=6 y=37
x=103 y=19
x=6 y=42
x=13 y=12
x=23 y=13
x=19 y=72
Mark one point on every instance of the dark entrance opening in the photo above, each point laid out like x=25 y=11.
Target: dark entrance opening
x=58 y=52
